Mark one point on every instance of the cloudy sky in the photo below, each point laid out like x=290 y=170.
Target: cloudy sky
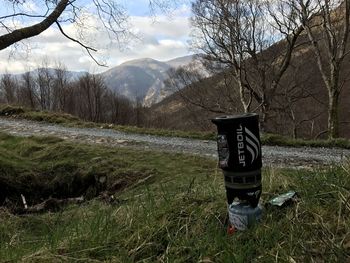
x=161 y=36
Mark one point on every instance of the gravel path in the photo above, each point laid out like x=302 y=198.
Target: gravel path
x=272 y=155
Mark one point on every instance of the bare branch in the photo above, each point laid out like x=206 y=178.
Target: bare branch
x=23 y=14
x=27 y=32
x=87 y=48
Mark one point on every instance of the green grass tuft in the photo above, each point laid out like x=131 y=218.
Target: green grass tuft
x=279 y=140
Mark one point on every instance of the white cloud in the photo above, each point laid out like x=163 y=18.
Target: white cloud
x=162 y=39
x=30 y=6
x=175 y=27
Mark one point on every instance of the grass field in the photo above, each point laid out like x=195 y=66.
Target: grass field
x=166 y=208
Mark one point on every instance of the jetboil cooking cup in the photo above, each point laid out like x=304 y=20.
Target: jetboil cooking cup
x=239 y=150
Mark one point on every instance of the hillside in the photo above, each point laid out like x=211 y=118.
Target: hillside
x=300 y=108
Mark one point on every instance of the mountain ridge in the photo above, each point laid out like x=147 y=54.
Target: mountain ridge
x=143 y=79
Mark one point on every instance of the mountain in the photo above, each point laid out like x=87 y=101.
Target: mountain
x=142 y=79
x=181 y=61
x=133 y=79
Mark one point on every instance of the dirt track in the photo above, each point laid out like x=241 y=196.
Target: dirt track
x=272 y=155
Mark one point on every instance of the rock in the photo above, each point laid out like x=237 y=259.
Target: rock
x=102 y=179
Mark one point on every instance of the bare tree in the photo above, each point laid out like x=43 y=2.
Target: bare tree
x=61 y=88
x=90 y=92
x=138 y=111
x=44 y=82
x=196 y=88
x=298 y=104
x=111 y=14
x=86 y=97
x=118 y=108
x=27 y=91
x=237 y=34
x=327 y=23
x=8 y=85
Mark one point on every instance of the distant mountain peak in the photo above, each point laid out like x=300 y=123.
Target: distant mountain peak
x=139 y=60
x=142 y=78
x=180 y=61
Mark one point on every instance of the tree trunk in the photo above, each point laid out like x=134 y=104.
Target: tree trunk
x=333 y=115
x=245 y=104
x=265 y=108
x=295 y=131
